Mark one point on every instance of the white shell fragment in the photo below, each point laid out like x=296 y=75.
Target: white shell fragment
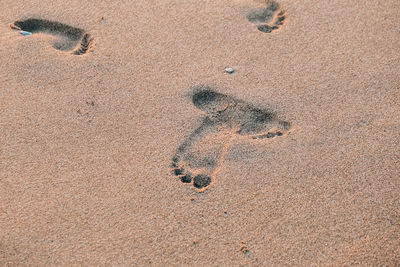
x=229 y=70
x=25 y=33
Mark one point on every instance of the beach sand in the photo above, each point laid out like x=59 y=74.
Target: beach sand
x=90 y=144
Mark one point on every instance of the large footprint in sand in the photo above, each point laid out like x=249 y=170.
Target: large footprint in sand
x=199 y=157
x=267 y=19
x=69 y=39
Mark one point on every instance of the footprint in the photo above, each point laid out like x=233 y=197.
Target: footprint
x=267 y=19
x=68 y=38
x=199 y=158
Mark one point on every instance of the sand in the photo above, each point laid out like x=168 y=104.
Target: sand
x=87 y=141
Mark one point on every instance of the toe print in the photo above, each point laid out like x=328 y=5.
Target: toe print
x=201 y=181
x=69 y=39
x=199 y=158
x=187 y=178
x=269 y=18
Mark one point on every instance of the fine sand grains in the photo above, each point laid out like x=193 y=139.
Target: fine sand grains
x=199 y=133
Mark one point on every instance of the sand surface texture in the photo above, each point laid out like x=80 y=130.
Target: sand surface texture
x=124 y=141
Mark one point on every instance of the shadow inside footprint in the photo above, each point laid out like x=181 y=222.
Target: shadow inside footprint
x=210 y=101
x=201 y=181
x=263 y=15
x=200 y=155
x=204 y=98
x=68 y=38
x=267 y=19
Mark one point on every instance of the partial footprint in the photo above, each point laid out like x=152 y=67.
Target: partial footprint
x=68 y=38
x=199 y=157
x=267 y=19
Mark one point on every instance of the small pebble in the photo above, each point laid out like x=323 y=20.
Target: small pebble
x=229 y=70
x=25 y=33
